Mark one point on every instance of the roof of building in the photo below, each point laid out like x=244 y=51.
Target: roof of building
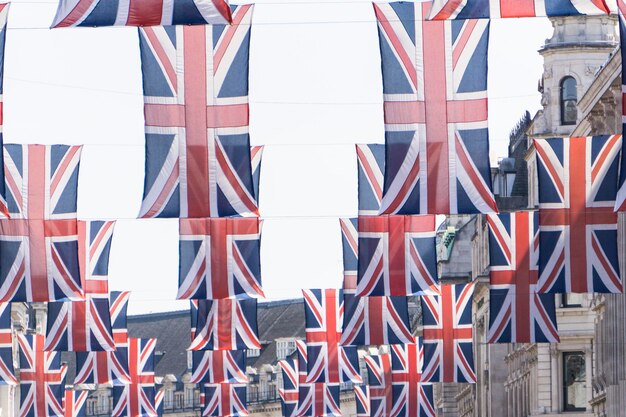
x=276 y=320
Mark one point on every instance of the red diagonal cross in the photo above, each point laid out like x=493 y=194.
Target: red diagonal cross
x=385 y=390
x=87 y=252
x=435 y=111
x=578 y=216
x=222 y=251
x=39 y=374
x=520 y=275
x=199 y=112
x=396 y=228
x=327 y=333
x=37 y=229
x=138 y=376
x=410 y=375
x=447 y=332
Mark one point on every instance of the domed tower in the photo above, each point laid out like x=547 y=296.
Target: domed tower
x=578 y=48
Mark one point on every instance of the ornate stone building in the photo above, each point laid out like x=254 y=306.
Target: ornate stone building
x=584 y=374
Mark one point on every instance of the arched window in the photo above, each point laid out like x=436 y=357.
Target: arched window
x=569 y=99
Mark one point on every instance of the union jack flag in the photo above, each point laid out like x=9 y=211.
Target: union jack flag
x=108 y=368
x=517 y=314
x=374 y=320
x=411 y=397
x=85 y=325
x=620 y=203
x=89 y=13
x=79 y=326
x=218 y=367
x=225 y=400
x=475 y=9
x=362 y=398
x=447 y=322
x=350 y=245
x=4 y=14
x=289 y=392
x=397 y=256
x=7 y=375
x=256 y=156
x=435 y=102
x=74 y=403
x=371 y=167
x=137 y=398
x=39 y=245
x=198 y=159
x=226 y=325
x=380 y=384
x=94 y=247
x=314 y=399
x=327 y=361
x=319 y=400
x=577 y=226
x=220 y=258
x=158 y=402
x=42 y=379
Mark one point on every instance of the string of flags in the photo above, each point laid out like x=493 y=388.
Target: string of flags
x=201 y=169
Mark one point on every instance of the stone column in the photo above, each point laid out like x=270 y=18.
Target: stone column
x=554 y=379
x=589 y=375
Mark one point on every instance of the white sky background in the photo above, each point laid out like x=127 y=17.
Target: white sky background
x=315 y=90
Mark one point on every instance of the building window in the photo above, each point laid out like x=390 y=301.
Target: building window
x=571 y=300
x=569 y=100
x=574 y=382
x=253 y=353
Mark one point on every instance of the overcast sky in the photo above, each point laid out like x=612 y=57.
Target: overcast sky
x=315 y=90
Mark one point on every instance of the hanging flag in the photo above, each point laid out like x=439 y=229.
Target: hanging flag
x=108 y=368
x=397 y=256
x=374 y=320
x=314 y=399
x=319 y=400
x=289 y=392
x=137 y=398
x=362 y=399
x=39 y=245
x=256 y=156
x=380 y=384
x=158 y=402
x=226 y=325
x=4 y=14
x=411 y=397
x=476 y=9
x=447 y=335
x=198 y=157
x=7 y=374
x=218 y=367
x=577 y=226
x=79 y=326
x=327 y=361
x=517 y=313
x=368 y=320
x=193 y=312
x=371 y=168
x=42 y=379
x=94 y=247
x=225 y=400
x=620 y=203
x=435 y=103
x=74 y=403
x=220 y=258
x=90 y=13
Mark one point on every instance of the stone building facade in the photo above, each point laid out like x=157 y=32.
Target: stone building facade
x=584 y=374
